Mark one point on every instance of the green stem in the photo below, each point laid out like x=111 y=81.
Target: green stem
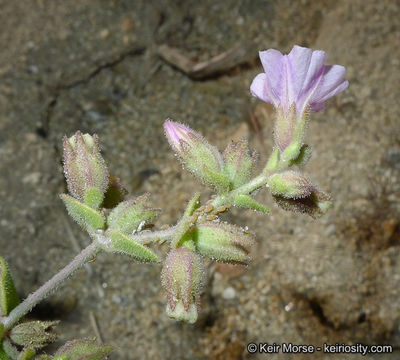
x=248 y=188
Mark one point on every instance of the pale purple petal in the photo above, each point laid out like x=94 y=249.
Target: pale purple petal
x=331 y=83
x=258 y=88
x=298 y=66
x=299 y=77
x=272 y=61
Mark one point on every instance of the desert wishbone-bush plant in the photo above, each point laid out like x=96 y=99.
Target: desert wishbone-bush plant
x=296 y=85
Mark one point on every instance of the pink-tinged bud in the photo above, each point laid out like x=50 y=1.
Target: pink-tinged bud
x=239 y=162
x=182 y=277
x=84 y=168
x=290 y=185
x=223 y=242
x=197 y=155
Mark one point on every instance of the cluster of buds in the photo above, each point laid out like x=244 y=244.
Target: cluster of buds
x=89 y=185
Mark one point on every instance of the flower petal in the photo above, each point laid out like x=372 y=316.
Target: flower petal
x=272 y=61
x=258 y=88
x=332 y=83
x=299 y=63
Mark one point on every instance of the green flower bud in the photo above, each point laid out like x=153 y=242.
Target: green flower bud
x=33 y=334
x=289 y=184
x=223 y=242
x=85 y=169
x=239 y=162
x=182 y=277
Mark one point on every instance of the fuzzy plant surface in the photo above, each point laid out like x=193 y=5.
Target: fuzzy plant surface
x=296 y=85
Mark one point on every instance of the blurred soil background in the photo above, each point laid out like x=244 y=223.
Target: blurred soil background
x=96 y=66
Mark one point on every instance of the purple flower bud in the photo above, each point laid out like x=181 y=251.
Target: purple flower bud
x=198 y=156
x=84 y=167
x=182 y=277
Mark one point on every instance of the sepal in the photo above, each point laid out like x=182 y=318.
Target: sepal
x=247 y=202
x=8 y=295
x=84 y=349
x=223 y=242
x=239 y=163
x=182 y=277
x=129 y=214
x=121 y=243
x=84 y=215
x=303 y=157
x=290 y=185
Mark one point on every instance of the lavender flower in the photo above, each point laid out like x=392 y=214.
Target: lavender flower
x=300 y=78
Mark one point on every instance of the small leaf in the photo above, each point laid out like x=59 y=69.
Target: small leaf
x=26 y=354
x=304 y=156
x=84 y=215
x=273 y=159
x=122 y=243
x=193 y=204
x=8 y=295
x=248 y=202
x=130 y=214
x=85 y=349
x=93 y=198
x=217 y=180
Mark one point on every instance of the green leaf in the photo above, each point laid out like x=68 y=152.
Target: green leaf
x=218 y=180
x=26 y=354
x=303 y=157
x=129 y=214
x=93 y=198
x=248 y=202
x=193 y=204
x=84 y=215
x=8 y=295
x=122 y=243
x=273 y=159
x=85 y=349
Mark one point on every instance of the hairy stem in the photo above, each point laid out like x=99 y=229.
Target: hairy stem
x=146 y=237
x=33 y=299
x=248 y=188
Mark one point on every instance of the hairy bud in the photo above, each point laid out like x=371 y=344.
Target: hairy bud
x=85 y=169
x=239 y=162
x=290 y=184
x=197 y=155
x=293 y=192
x=33 y=334
x=223 y=242
x=182 y=278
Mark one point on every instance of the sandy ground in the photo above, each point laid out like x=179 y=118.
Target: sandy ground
x=94 y=66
